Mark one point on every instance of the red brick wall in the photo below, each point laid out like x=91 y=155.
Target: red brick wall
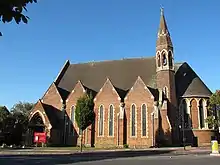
x=52 y=97
x=194 y=114
x=106 y=97
x=139 y=95
x=77 y=92
x=204 y=136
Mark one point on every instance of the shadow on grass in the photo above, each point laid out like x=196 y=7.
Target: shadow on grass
x=75 y=158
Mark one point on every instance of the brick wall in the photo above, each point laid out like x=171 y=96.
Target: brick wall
x=106 y=97
x=139 y=95
x=77 y=92
x=52 y=97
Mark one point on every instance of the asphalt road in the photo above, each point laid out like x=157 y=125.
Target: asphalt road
x=106 y=160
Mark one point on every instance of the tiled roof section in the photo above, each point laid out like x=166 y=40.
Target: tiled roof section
x=122 y=73
x=188 y=83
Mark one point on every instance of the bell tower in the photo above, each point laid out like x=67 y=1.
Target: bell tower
x=165 y=72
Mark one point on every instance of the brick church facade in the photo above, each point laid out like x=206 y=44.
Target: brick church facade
x=139 y=102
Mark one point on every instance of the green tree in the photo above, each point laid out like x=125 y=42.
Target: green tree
x=19 y=117
x=84 y=113
x=3 y=116
x=22 y=107
x=213 y=110
x=3 y=113
x=14 y=9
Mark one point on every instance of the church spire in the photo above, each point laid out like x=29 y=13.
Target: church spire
x=163 y=36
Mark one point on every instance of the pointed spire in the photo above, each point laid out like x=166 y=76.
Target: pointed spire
x=163 y=32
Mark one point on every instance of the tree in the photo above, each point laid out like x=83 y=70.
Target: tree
x=13 y=9
x=22 y=107
x=3 y=116
x=213 y=109
x=84 y=113
x=3 y=113
x=19 y=117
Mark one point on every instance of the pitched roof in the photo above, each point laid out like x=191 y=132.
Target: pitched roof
x=122 y=73
x=188 y=83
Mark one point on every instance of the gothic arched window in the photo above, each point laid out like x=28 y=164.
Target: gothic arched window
x=111 y=120
x=71 y=124
x=185 y=117
x=133 y=120
x=201 y=114
x=158 y=60
x=165 y=91
x=101 y=120
x=144 y=119
x=73 y=114
x=170 y=59
x=164 y=59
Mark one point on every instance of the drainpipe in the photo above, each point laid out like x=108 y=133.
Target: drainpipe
x=64 y=119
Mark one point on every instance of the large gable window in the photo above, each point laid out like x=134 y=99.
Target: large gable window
x=111 y=120
x=133 y=120
x=144 y=119
x=101 y=121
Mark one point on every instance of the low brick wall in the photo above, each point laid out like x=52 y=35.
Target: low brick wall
x=204 y=137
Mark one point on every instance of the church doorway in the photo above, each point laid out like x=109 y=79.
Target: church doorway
x=36 y=124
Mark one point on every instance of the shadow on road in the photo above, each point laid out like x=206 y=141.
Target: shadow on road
x=74 y=158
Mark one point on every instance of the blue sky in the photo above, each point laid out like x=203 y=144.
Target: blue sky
x=85 y=30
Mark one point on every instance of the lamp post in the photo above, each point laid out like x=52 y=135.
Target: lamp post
x=182 y=126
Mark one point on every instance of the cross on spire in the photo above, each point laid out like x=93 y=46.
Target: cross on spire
x=161 y=11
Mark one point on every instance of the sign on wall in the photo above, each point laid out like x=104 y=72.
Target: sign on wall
x=40 y=137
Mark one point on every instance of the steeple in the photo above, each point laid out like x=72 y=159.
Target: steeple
x=164 y=46
x=163 y=36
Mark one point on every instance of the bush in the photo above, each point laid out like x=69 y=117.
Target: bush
x=126 y=146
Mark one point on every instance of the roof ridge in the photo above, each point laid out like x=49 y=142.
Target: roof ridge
x=122 y=59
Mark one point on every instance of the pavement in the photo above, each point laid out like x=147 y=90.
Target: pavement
x=152 y=156
x=148 y=151
x=137 y=158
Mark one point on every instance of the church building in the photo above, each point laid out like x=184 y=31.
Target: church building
x=139 y=102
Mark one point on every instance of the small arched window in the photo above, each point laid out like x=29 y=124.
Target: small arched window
x=165 y=91
x=164 y=59
x=73 y=114
x=158 y=60
x=170 y=59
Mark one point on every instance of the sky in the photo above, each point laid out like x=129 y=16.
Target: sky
x=96 y=30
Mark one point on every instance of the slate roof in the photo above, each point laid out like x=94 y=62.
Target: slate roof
x=188 y=83
x=124 y=73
